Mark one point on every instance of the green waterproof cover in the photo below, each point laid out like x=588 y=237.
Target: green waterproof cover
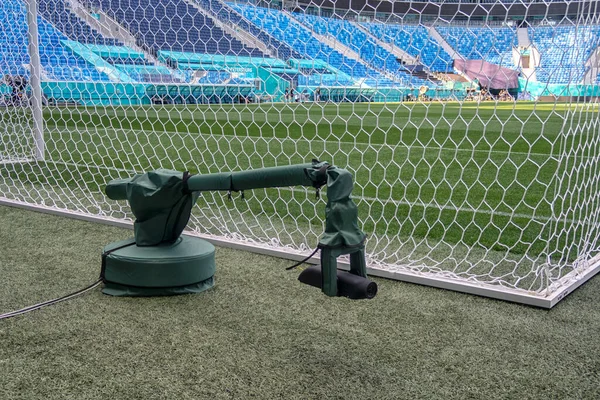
x=162 y=200
x=341 y=213
x=292 y=175
x=186 y=266
x=115 y=289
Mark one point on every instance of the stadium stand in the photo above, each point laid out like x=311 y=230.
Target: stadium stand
x=56 y=12
x=355 y=39
x=292 y=38
x=173 y=25
x=295 y=34
x=562 y=55
x=492 y=44
x=58 y=62
x=13 y=42
x=300 y=39
x=414 y=40
x=229 y=16
x=372 y=53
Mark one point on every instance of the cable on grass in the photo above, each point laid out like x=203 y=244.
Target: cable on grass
x=304 y=260
x=50 y=302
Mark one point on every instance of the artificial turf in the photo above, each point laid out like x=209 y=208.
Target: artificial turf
x=261 y=334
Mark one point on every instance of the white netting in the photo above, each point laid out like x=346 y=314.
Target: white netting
x=16 y=141
x=473 y=141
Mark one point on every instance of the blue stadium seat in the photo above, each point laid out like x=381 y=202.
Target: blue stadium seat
x=414 y=40
x=58 y=62
x=563 y=51
x=56 y=12
x=174 y=25
x=492 y=44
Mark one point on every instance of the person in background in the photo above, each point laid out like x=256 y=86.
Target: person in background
x=17 y=83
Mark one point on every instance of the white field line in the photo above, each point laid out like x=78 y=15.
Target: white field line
x=374 y=199
x=89 y=166
x=441 y=207
x=356 y=144
x=450 y=105
x=5 y=161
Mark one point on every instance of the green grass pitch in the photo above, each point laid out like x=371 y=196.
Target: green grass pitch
x=497 y=178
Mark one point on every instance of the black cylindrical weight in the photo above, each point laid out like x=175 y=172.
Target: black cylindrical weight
x=349 y=285
x=355 y=287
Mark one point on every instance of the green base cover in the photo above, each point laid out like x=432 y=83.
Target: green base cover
x=187 y=266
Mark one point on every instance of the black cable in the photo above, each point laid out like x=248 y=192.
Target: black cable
x=50 y=302
x=304 y=260
x=95 y=284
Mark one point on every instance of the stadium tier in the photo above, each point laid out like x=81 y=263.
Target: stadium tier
x=564 y=51
x=344 y=53
x=347 y=34
x=57 y=13
x=174 y=25
x=282 y=26
x=58 y=62
x=493 y=44
x=416 y=41
x=229 y=16
x=13 y=42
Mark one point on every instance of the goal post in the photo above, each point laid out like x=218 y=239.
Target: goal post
x=473 y=139
x=35 y=69
x=17 y=138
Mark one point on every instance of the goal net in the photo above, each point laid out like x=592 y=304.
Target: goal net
x=16 y=125
x=472 y=133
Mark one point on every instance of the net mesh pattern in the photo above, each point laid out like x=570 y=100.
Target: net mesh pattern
x=473 y=142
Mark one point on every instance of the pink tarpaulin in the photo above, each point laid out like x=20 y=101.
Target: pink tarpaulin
x=491 y=76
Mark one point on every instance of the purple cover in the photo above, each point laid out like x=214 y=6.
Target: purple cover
x=489 y=75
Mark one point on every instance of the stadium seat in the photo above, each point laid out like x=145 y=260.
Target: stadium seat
x=562 y=57
x=174 y=25
x=58 y=62
x=56 y=12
